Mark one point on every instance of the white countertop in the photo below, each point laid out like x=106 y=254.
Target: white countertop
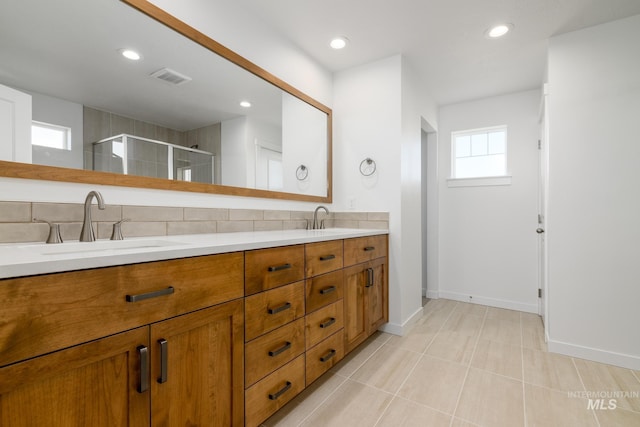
x=28 y=259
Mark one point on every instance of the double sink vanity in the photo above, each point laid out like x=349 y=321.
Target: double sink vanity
x=211 y=329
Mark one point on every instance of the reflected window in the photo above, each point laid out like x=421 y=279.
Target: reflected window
x=479 y=153
x=50 y=135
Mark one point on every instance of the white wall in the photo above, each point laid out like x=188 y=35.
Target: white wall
x=488 y=244
x=594 y=204
x=377 y=114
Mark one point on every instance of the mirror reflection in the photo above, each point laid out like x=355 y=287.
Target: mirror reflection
x=107 y=88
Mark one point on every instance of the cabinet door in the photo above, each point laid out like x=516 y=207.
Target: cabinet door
x=355 y=326
x=93 y=384
x=197 y=368
x=376 y=295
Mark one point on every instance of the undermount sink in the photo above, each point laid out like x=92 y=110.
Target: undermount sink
x=97 y=246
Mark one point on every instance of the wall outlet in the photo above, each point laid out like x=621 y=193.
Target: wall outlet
x=351 y=203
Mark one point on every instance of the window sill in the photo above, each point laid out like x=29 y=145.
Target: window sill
x=479 y=182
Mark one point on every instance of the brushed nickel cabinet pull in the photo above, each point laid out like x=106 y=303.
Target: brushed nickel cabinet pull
x=143 y=352
x=327 y=257
x=327 y=290
x=328 y=323
x=285 y=347
x=369 y=277
x=279 y=267
x=328 y=356
x=369 y=248
x=280 y=392
x=283 y=307
x=164 y=360
x=154 y=294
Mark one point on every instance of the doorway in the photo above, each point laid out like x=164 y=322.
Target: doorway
x=429 y=207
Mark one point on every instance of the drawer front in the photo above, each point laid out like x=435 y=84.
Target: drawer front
x=323 y=257
x=55 y=311
x=269 y=352
x=269 y=268
x=269 y=310
x=324 y=355
x=274 y=391
x=324 y=322
x=362 y=249
x=324 y=290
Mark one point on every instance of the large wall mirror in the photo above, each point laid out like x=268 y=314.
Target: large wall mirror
x=189 y=115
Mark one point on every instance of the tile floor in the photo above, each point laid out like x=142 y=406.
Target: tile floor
x=464 y=365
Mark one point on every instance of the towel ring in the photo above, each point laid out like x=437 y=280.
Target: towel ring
x=367 y=167
x=302 y=172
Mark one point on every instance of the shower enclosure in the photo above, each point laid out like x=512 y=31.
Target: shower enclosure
x=134 y=155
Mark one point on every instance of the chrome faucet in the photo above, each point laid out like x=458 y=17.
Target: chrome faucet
x=87 y=234
x=316 y=225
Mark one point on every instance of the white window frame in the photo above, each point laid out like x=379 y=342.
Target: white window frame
x=65 y=129
x=504 y=179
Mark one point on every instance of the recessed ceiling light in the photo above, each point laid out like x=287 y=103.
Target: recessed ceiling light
x=498 y=31
x=130 y=54
x=339 y=42
x=245 y=104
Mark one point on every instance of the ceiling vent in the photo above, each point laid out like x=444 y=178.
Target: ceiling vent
x=170 y=76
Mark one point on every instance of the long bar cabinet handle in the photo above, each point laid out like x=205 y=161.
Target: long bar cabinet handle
x=280 y=392
x=164 y=360
x=283 y=307
x=143 y=353
x=327 y=290
x=279 y=267
x=369 y=248
x=328 y=323
x=154 y=294
x=327 y=257
x=285 y=347
x=328 y=356
x=369 y=277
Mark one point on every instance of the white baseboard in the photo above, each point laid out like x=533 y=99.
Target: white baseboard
x=491 y=302
x=597 y=355
x=401 y=330
x=432 y=294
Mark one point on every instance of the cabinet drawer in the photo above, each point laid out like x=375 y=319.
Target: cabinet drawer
x=273 y=350
x=323 y=356
x=274 y=391
x=269 y=310
x=363 y=249
x=323 y=290
x=323 y=257
x=324 y=322
x=55 y=311
x=270 y=268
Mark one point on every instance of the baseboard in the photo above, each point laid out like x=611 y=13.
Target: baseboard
x=432 y=294
x=401 y=330
x=597 y=355
x=491 y=302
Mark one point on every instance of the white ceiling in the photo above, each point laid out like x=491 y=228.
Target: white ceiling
x=442 y=39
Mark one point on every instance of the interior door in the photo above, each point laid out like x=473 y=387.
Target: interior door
x=542 y=212
x=15 y=125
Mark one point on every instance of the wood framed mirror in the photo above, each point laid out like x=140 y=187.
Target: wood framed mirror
x=191 y=120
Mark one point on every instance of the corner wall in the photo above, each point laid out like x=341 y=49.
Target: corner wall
x=594 y=203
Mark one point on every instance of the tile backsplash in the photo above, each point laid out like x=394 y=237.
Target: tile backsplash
x=17 y=220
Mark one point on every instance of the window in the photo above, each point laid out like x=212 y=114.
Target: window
x=479 y=153
x=51 y=136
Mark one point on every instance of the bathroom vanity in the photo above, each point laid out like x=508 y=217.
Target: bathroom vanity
x=219 y=329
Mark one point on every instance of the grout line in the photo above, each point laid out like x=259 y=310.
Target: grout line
x=584 y=388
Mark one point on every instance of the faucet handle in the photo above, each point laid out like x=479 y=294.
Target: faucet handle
x=54 y=231
x=116 y=234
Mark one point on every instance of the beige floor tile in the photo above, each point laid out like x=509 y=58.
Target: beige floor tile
x=347 y=366
x=440 y=304
x=531 y=319
x=387 y=368
x=550 y=370
x=353 y=404
x=468 y=308
x=599 y=377
x=546 y=407
x=533 y=336
x=435 y=383
x=457 y=422
x=499 y=358
x=461 y=323
x=491 y=400
x=503 y=331
x=294 y=412
x=618 y=418
x=434 y=319
x=417 y=339
x=453 y=346
x=503 y=314
x=404 y=413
